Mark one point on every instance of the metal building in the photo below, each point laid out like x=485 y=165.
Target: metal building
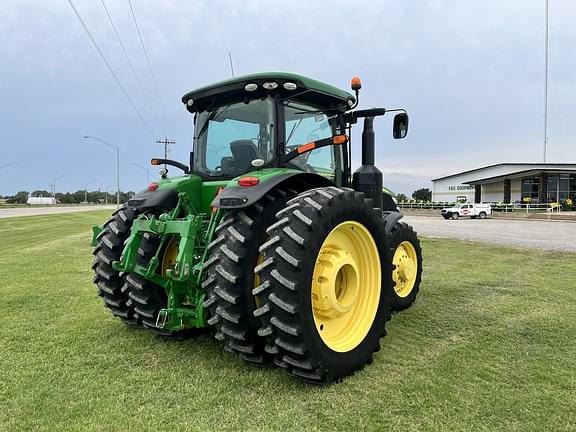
x=509 y=183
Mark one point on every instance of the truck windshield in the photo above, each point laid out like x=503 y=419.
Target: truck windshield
x=228 y=138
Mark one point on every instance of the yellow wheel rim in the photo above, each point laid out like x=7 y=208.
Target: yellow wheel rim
x=170 y=255
x=405 y=270
x=346 y=285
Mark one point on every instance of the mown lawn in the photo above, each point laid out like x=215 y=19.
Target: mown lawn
x=489 y=345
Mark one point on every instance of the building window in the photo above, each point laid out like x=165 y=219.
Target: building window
x=530 y=188
x=552 y=189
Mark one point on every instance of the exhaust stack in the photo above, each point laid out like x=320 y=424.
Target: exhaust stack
x=368 y=178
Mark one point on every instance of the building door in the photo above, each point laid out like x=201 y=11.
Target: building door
x=478 y=194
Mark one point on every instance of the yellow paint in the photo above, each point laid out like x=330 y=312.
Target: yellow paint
x=257 y=281
x=405 y=270
x=346 y=285
x=170 y=255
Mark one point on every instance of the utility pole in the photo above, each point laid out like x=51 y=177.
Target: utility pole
x=166 y=143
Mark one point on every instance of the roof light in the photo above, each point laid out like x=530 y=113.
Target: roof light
x=248 y=181
x=190 y=102
x=152 y=186
x=270 y=85
x=356 y=84
x=257 y=163
x=290 y=86
x=251 y=87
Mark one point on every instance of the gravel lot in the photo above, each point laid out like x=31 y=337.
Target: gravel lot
x=36 y=211
x=550 y=235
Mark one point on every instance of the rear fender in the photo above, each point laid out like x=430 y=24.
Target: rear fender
x=235 y=196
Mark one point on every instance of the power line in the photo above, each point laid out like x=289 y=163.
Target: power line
x=110 y=69
x=149 y=66
x=130 y=63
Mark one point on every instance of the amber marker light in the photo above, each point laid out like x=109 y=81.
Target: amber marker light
x=356 y=84
x=339 y=139
x=305 y=147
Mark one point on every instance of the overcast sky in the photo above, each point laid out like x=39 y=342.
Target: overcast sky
x=470 y=73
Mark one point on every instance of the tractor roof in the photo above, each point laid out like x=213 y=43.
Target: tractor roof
x=310 y=89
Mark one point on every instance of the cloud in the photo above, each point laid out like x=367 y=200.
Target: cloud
x=470 y=74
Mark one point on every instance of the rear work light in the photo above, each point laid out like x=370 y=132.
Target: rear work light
x=248 y=181
x=152 y=186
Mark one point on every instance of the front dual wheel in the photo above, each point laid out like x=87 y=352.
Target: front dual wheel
x=326 y=284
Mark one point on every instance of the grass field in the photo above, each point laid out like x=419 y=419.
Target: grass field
x=489 y=345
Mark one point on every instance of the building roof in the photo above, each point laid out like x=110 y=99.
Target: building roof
x=483 y=173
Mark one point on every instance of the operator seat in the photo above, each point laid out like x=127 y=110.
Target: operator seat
x=243 y=152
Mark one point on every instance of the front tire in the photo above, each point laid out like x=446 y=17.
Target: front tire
x=406 y=255
x=454 y=216
x=326 y=285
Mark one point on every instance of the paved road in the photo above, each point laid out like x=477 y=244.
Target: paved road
x=35 y=211
x=551 y=235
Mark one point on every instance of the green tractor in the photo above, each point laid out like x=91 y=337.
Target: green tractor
x=268 y=237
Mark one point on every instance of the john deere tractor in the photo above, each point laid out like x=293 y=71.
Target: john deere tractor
x=267 y=237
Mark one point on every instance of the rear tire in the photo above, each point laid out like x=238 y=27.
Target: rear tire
x=331 y=343
x=111 y=284
x=454 y=216
x=230 y=278
x=482 y=215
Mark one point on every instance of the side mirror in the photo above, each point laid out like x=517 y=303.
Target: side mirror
x=400 y=129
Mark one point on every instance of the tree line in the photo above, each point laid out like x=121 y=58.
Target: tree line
x=78 y=197
x=423 y=194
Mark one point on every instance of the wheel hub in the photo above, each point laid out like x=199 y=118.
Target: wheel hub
x=335 y=285
x=405 y=268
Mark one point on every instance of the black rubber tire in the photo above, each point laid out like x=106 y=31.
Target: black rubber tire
x=404 y=232
x=111 y=284
x=482 y=215
x=454 y=216
x=147 y=297
x=230 y=277
x=290 y=252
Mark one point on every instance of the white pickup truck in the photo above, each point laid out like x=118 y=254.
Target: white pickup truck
x=473 y=210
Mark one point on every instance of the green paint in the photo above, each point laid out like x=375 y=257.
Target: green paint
x=182 y=283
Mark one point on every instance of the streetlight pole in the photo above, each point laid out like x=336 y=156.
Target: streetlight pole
x=547 y=46
x=144 y=169
x=117 y=149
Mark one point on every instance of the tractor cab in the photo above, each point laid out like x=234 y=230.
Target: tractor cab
x=262 y=120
